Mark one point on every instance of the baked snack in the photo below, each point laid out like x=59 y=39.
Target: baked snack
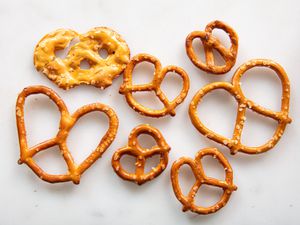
x=67 y=122
x=234 y=88
x=127 y=88
x=188 y=202
x=210 y=42
x=133 y=148
x=66 y=73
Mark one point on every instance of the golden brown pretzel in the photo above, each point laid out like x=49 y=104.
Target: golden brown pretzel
x=127 y=88
x=67 y=121
x=209 y=43
x=134 y=149
x=66 y=73
x=188 y=202
x=234 y=144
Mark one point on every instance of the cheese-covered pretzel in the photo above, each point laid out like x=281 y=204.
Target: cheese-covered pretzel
x=127 y=88
x=210 y=42
x=66 y=73
x=188 y=201
x=234 y=88
x=133 y=148
x=67 y=122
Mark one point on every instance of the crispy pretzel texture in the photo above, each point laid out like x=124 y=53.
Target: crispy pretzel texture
x=66 y=73
x=210 y=42
x=188 y=201
x=67 y=122
x=133 y=148
x=234 y=88
x=127 y=88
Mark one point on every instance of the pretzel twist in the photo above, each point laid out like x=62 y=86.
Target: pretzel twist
x=67 y=122
x=134 y=149
x=127 y=88
x=234 y=88
x=188 y=201
x=66 y=73
x=209 y=43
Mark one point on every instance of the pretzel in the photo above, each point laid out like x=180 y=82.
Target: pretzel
x=66 y=73
x=210 y=42
x=67 y=122
x=133 y=148
x=188 y=202
x=127 y=88
x=234 y=88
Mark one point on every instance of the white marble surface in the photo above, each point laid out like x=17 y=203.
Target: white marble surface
x=268 y=184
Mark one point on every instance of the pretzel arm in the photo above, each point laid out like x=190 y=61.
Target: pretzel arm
x=191 y=196
x=218 y=183
x=163 y=98
x=225 y=52
x=135 y=88
x=45 y=176
x=41 y=147
x=140 y=167
x=279 y=116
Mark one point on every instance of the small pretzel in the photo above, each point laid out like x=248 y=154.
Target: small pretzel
x=235 y=90
x=134 y=149
x=127 y=88
x=209 y=43
x=66 y=73
x=188 y=202
x=67 y=122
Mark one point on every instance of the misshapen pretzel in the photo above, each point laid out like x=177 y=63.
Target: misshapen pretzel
x=235 y=90
x=134 y=149
x=209 y=43
x=127 y=88
x=188 y=202
x=67 y=122
x=66 y=73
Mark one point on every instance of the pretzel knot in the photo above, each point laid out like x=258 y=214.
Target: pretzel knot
x=234 y=144
x=197 y=169
x=66 y=73
x=134 y=149
x=209 y=43
x=127 y=88
x=67 y=122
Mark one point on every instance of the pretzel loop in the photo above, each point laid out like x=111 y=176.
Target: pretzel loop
x=66 y=73
x=209 y=43
x=127 y=88
x=234 y=143
x=67 y=122
x=134 y=149
x=188 y=201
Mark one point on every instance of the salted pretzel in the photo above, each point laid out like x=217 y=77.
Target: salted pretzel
x=67 y=122
x=188 y=201
x=127 y=88
x=133 y=148
x=66 y=73
x=210 y=42
x=234 y=88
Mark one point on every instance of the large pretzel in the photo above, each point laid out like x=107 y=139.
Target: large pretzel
x=209 y=43
x=66 y=73
x=234 y=144
x=127 y=88
x=188 y=202
x=134 y=149
x=67 y=122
